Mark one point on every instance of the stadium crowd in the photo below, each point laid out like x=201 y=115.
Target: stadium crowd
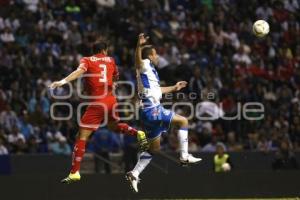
x=207 y=43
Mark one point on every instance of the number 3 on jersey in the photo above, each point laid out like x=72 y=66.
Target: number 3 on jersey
x=103 y=77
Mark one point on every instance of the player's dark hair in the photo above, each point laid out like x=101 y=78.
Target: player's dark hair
x=147 y=51
x=99 y=46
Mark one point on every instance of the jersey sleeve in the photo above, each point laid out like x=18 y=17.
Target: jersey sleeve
x=144 y=63
x=84 y=64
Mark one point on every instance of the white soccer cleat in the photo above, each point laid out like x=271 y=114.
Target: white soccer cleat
x=190 y=159
x=133 y=181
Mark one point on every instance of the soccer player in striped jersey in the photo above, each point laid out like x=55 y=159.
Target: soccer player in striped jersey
x=153 y=116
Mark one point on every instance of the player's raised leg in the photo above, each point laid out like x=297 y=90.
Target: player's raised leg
x=182 y=124
x=77 y=155
x=144 y=159
x=124 y=128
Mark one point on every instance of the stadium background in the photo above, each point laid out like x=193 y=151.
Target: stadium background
x=207 y=43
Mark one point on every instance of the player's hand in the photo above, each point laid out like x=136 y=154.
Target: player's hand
x=56 y=84
x=142 y=39
x=179 y=85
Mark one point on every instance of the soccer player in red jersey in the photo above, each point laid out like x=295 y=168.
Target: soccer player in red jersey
x=101 y=74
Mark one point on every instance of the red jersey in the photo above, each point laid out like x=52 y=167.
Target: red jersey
x=101 y=72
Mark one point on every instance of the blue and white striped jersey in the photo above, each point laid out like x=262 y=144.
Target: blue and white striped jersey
x=148 y=84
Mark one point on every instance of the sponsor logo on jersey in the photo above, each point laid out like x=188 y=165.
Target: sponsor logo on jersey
x=155 y=112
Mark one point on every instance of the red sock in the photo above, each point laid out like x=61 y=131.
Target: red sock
x=77 y=155
x=126 y=129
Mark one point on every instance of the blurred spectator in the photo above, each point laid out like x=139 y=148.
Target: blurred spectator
x=218 y=34
x=285 y=158
x=39 y=101
x=279 y=12
x=25 y=127
x=31 y=5
x=106 y=3
x=33 y=145
x=7 y=36
x=17 y=141
x=103 y=142
x=264 y=144
x=232 y=144
x=212 y=146
x=264 y=11
x=37 y=118
x=3 y=149
x=8 y=119
x=241 y=57
x=3 y=103
x=252 y=141
x=59 y=145
x=291 y=5
x=196 y=82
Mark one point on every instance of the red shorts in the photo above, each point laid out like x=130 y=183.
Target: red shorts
x=99 y=112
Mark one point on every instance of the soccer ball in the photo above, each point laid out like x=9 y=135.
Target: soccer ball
x=226 y=167
x=260 y=28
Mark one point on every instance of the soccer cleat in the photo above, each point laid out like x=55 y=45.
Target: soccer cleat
x=190 y=159
x=142 y=141
x=133 y=181
x=71 y=178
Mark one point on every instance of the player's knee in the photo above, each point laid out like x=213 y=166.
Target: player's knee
x=154 y=150
x=83 y=134
x=183 y=122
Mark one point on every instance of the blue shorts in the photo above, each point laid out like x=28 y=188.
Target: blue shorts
x=155 y=120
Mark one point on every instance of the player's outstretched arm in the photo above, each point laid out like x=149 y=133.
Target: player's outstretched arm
x=138 y=51
x=179 y=85
x=74 y=75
